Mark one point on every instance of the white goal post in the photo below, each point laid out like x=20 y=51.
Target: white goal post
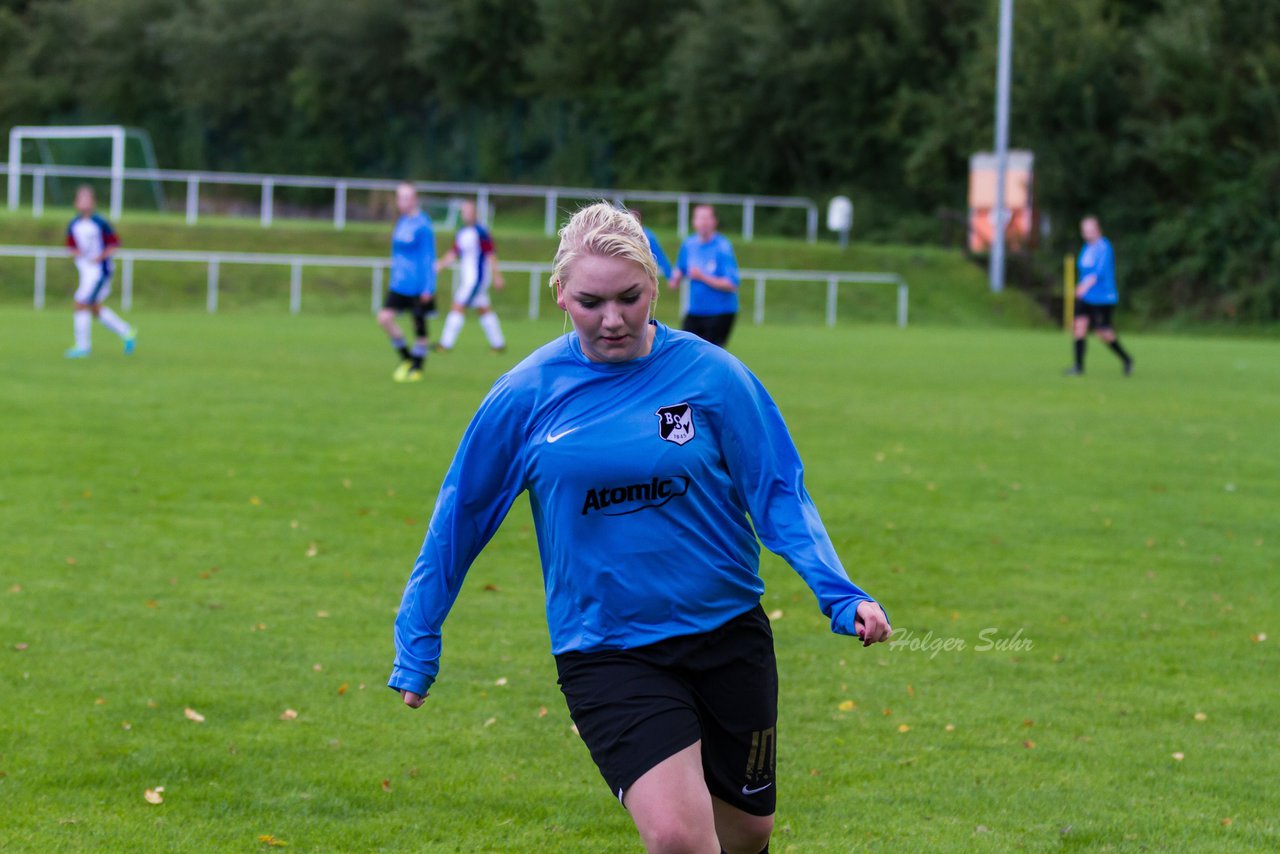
x=115 y=133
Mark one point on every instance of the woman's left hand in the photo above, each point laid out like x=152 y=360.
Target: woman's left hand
x=871 y=623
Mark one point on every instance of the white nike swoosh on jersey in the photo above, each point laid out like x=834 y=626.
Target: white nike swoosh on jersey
x=552 y=438
x=747 y=791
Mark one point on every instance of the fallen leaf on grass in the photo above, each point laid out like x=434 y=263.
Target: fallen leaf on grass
x=1029 y=744
x=1179 y=756
x=342 y=689
x=1226 y=822
x=502 y=680
x=1259 y=637
x=1028 y=723
x=950 y=727
x=491 y=722
x=542 y=711
x=271 y=842
x=154 y=796
x=313 y=550
x=1201 y=716
x=255 y=501
x=288 y=715
x=193 y=715
x=847 y=706
x=20 y=646
x=317 y=668
x=323 y=615
x=903 y=728
x=125 y=725
x=101 y=701
x=386 y=785
x=259 y=627
x=71 y=561
x=775 y=614
x=151 y=603
x=17 y=588
x=492 y=588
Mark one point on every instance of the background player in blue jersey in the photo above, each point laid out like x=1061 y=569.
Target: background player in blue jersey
x=655 y=464
x=659 y=257
x=477 y=258
x=707 y=258
x=92 y=242
x=413 y=282
x=1096 y=295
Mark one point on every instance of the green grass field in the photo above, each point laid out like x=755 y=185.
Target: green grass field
x=224 y=523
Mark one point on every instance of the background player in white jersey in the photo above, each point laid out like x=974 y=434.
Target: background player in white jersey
x=92 y=242
x=474 y=251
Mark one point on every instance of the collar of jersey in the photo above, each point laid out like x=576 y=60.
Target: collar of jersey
x=659 y=338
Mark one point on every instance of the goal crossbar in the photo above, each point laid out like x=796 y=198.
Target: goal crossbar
x=115 y=133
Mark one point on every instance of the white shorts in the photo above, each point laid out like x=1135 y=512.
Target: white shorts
x=95 y=283
x=475 y=295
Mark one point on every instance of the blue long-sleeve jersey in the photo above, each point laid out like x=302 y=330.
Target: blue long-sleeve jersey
x=658 y=255
x=413 y=256
x=645 y=479
x=1098 y=259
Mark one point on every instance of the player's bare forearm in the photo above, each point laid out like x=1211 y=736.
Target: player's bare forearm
x=498 y=281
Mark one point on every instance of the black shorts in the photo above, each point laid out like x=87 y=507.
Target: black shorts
x=1099 y=315
x=636 y=707
x=400 y=302
x=710 y=327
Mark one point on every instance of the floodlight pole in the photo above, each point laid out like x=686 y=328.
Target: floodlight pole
x=999 y=213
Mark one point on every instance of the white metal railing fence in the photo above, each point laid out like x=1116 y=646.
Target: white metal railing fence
x=483 y=193
x=539 y=275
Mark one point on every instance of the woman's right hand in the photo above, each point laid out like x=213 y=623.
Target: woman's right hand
x=413 y=700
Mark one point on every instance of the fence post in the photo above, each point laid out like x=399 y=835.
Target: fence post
x=126 y=283
x=211 y=299
x=832 y=291
x=340 y=205
x=534 y=302
x=482 y=205
x=748 y=220
x=549 y=215
x=682 y=217
x=902 y=305
x=757 y=314
x=38 y=298
x=37 y=192
x=811 y=224
x=193 y=199
x=375 y=290
x=268 y=191
x=295 y=287
x=1068 y=292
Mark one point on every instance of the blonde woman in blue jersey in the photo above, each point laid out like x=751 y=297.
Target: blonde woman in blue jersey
x=655 y=464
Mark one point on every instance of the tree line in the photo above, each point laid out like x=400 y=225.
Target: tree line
x=1161 y=116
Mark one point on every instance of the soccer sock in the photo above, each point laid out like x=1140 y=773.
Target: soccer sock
x=417 y=354
x=82 y=321
x=1079 y=354
x=492 y=330
x=452 y=326
x=1118 y=350
x=112 y=321
x=401 y=348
